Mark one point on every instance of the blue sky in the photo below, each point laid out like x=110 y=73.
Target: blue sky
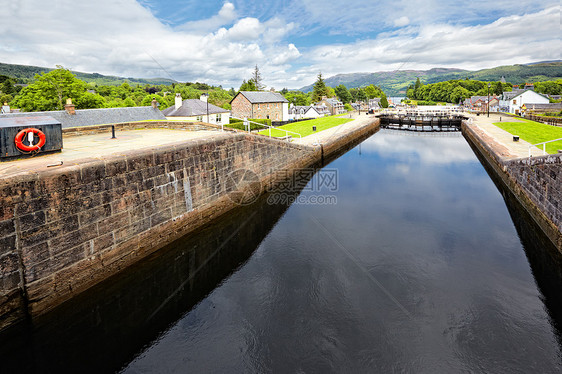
x=219 y=42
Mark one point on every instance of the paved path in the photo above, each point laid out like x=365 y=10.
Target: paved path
x=514 y=149
x=99 y=146
x=325 y=136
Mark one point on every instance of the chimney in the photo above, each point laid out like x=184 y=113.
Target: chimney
x=179 y=101
x=203 y=97
x=155 y=103
x=69 y=107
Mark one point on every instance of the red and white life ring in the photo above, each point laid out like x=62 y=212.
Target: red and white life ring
x=30 y=132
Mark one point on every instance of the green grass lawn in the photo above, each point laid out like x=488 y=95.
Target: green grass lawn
x=305 y=127
x=534 y=132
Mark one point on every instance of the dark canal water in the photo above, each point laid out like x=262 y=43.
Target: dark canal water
x=422 y=265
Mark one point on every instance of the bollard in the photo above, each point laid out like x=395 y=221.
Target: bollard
x=313 y=128
x=113 y=132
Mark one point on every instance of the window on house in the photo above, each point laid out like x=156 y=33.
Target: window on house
x=199 y=118
x=514 y=101
x=219 y=117
x=258 y=106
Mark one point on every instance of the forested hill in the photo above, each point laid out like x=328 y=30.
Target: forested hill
x=395 y=83
x=25 y=74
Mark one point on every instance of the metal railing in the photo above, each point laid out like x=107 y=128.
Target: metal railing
x=543 y=146
x=246 y=122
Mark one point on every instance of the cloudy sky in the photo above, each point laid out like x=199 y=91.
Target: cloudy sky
x=219 y=42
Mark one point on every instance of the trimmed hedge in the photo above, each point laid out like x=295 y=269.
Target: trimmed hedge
x=239 y=124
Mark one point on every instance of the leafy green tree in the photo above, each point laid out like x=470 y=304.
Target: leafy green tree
x=147 y=100
x=219 y=97
x=371 y=91
x=50 y=91
x=384 y=101
x=319 y=89
x=343 y=94
x=89 y=101
x=248 y=86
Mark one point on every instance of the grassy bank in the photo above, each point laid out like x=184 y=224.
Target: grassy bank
x=534 y=132
x=305 y=127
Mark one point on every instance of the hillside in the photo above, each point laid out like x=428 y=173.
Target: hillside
x=26 y=73
x=395 y=83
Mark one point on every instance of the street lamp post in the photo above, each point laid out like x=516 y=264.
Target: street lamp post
x=488 y=104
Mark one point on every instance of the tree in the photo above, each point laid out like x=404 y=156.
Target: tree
x=343 y=94
x=384 y=101
x=319 y=89
x=248 y=86
x=417 y=86
x=257 y=79
x=50 y=91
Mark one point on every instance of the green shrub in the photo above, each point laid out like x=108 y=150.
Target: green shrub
x=239 y=124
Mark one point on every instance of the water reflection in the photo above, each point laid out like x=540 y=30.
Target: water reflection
x=544 y=258
x=106 y=327
x=421 y=270
x=437 y=237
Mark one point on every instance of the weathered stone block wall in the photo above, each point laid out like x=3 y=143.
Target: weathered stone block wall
x=241 y=107
x=63 y=230
x=534 y=182
x=541 y=178
x=273 y=110
x=106 y=129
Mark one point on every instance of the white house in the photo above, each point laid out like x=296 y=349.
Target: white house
x=303 y=111
x=528 y=97
x=194 y=110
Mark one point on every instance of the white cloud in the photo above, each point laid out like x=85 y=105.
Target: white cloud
x=125 y=38
x=246 y=29
x=226 y=15
x=402 y=21
x=507 y=40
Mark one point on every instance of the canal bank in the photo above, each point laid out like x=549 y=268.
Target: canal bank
x=64 y=229
x=535 y=181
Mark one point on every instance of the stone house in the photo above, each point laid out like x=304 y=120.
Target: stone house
x=197 y=110
x=334 y=105
x=259 y=104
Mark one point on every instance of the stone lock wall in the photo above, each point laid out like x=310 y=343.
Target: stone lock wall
x=536 y=182
x=63 y=230
x=541 y=178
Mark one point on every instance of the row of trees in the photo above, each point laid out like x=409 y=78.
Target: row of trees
x=454 y=91
x=50 y=90
x=341 y=92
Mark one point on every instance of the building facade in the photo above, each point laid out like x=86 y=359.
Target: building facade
x=258 y=104
x=197 y=110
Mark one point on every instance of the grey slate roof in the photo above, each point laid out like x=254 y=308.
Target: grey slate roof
x=550 y=106
x=90 y=117
x=257 y=97
x=192 y=107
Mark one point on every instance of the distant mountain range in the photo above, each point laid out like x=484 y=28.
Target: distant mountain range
x=27 y=73
x=395 y=83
